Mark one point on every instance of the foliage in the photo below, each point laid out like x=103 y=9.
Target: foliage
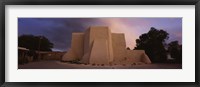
x=175 y=51
x=153 y=43
x=35 y=42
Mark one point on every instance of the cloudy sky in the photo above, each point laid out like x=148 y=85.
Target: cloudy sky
x=59 y=30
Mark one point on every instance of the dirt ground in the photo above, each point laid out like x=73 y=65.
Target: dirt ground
x=64 y=65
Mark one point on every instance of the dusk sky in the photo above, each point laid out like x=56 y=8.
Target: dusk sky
x=59 y=30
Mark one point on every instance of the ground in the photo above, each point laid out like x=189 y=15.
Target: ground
x=64 y=65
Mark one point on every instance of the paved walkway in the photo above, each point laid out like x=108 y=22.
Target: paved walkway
x=63 y=65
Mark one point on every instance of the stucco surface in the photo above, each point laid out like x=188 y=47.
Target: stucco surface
x=137 y=56
x=146 y=59
x=95 y=33
x=69 y=56
x=78 y=44
x=102 y=33
x=76 y=51
x=119 y=46
x=100 y=52
x=87 y=47
x=97 y=45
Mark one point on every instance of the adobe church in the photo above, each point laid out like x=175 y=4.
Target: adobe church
x=97 y=45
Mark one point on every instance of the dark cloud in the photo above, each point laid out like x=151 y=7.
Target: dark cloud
x=59 y=30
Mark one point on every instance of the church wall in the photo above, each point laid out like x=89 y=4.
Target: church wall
x=119 y=45
x=97 y=33
x=77 y=44
x=110 y=48
x=69 y=56
x=86 y=41
x=87 y=48
x=100 y=52
x=136 y=55
x=97 y=45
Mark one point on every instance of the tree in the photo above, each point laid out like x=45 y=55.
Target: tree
x=153 y=43
x=175 y=51
x=35 y=42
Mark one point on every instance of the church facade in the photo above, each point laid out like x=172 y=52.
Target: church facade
x=97 y=45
